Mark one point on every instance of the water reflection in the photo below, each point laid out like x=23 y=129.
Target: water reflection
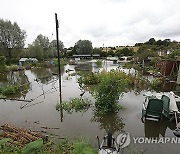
x=155 y=129
x=16 y=78
x=109 y=122
x=46 y=75
x=84 y=66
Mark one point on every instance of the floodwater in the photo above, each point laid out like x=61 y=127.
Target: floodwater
x=41 y=113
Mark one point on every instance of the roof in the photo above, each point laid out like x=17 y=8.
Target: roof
x=28 y=59
x=87 y=55
x=23 y=59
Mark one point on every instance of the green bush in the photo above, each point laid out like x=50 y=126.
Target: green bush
x=13 y=68
x=156 y=83
x=77 y=104
x=9 y=89
x=99 y=63
x=111 y=86
x=2 y=64
x=62 y=61
x=89 y=79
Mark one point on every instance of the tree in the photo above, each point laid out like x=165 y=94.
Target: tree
x=53 y=47
x=152 y=41
x=97 y=51
x=124 y=52
x=11 y=36
x=144 y=52
x=83 y=47
x=35 y=51
x=111 y=53
x=43 y=41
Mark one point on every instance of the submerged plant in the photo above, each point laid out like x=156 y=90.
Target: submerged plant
x=9 y=89
x=99 y=63
x=107 y=87
x=156 y=83
x=107 y=92
x=77 y=104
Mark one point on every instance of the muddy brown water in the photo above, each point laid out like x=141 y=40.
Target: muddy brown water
x=41 y=113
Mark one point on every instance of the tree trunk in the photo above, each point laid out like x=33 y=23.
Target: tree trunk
x=10 y=54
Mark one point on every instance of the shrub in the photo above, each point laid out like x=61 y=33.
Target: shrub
x=112 y=85
x=77 y=104
x=62 y=61
x=2 y=64
x=99 y=63
x=89 y=79
x=13 y=68
x=9 y=89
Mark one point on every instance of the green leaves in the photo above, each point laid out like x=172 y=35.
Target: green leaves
x=112 y=85
x=4 y=140
x=77 y=104
x=34 y=147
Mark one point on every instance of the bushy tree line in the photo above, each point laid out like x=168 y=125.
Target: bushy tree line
x=12 y=42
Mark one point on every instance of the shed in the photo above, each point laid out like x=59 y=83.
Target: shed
x=23 y=60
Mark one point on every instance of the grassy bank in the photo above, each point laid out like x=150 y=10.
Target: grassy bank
x=21 y=141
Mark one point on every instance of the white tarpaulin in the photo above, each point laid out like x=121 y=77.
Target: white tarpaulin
x=173 y=105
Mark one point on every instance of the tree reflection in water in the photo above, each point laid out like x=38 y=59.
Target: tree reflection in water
x=110 y=122
x=16 y=78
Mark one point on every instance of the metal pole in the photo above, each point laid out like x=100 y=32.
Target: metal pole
x=59 y=68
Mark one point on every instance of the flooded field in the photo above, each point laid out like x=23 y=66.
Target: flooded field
x=40 y=114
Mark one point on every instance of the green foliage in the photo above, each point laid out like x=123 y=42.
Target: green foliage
x=15 y=35
x=83 y=147
x=99 y=63
x=6 y=146
x=2 y=64
x=77 y=146
x=35 y=50
x=156 y=83
x=9 y=89
x=112 y=85
x=174 y=53
x=77 y=104
x=4 y=140
x=125 y=52
x=34 y=147
x=89 y=79
x=42 y=48
x=107 y=87
x=83 y=47
x=43 y=43
x=13 y=68
x=62 y=61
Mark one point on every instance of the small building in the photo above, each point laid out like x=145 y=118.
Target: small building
x=86 y=56
x=163 y=53
x=169 y=67
x=24 y=60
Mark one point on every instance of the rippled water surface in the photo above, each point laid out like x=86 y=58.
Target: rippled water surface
x=41 y=112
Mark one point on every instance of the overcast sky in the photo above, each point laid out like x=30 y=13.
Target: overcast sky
x=108 y=22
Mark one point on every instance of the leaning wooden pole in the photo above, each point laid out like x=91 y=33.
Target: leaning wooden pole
x=59 y=64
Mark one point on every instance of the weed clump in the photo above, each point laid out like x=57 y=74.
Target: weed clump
x=74 y=104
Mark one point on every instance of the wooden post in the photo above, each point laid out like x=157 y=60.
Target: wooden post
x=178 y=76
x=59 y=64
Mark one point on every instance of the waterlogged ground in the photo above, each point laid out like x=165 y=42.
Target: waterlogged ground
x=41 y=115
